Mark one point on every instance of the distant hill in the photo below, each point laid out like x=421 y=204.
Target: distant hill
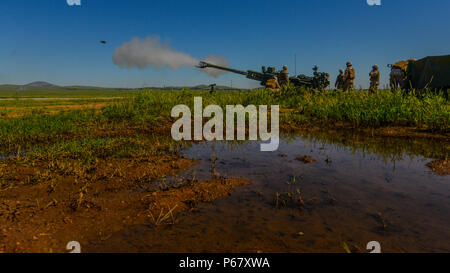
x=39 y=84
x=197 y=87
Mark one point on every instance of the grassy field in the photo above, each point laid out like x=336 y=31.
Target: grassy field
x=358 y=108
x=17 y=91
x=44 y=122
x=86 y=92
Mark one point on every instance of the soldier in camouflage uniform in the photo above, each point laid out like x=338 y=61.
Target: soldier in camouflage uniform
x=284 y=76
x=340 y=80
x=349 y=77
x=374 y=79
x=212 y=88
x=273 y=85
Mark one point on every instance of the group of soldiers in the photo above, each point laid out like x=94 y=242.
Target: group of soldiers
x=345 y=80
x=275 y=83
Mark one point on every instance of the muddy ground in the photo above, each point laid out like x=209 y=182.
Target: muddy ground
x=43 y=208
x=16 y=112
x=46 y=210
x=440 y=167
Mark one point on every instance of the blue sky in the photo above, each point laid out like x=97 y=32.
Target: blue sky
x=52 y=41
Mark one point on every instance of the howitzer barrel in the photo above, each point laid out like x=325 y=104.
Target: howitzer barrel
x=206 y=65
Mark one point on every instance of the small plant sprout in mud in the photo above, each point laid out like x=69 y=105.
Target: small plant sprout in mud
x=214 y=173
x=381 y=219
x=292 y=182
x=346 y=248
x=78 y=201
x=300 y=199
x=277 y=197
x=163 y=216
x=194 y=173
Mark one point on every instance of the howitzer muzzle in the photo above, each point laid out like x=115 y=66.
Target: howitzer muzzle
x=202 y=64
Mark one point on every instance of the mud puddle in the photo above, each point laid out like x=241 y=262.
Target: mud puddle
x=356 y=190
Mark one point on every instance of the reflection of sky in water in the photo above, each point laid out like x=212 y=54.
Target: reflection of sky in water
x=12 y=155
x=379 y=158
x=365 y=178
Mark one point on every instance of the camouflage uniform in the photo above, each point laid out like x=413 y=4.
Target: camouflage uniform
x=374 y=78
x=284 y=76
x=396 y=78
x=340 y=80
x=273 y=85
x=349 y=77
x=212 y=88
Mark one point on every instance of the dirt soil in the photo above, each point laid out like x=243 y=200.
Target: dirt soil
x=62 y=106
x=54 y=109
x=305 y=159
x=47 y=208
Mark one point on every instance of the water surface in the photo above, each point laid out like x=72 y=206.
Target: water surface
x=360 y=189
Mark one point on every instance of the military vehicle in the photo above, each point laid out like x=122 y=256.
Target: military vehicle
x=319 y=81
x=428 y=73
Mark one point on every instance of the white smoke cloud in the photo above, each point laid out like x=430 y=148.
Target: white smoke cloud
x=141 y=54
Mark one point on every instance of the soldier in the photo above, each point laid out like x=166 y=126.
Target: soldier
x=374 y=79
x=349 y=77
x=273 y=85
x=284 y=76
x=212 y=88
x=340 y=80
x=396 y=78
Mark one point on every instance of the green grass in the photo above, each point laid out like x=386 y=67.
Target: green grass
x=374 y=110
x=17 y=134
x=89 y=149
x=16 y=91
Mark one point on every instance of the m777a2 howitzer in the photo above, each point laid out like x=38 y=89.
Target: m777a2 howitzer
x=319 y=81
